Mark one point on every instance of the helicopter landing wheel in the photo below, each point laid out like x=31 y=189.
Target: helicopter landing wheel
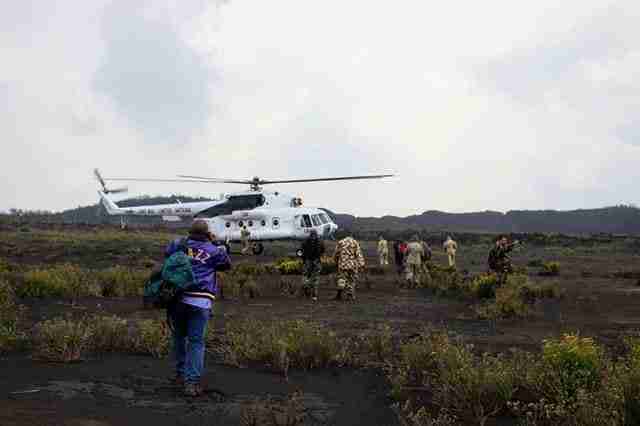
x=299 y=252
x=257 y=248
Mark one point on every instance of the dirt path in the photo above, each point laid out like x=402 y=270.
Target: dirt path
x=136 y=390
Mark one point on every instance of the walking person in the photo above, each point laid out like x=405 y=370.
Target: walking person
x=190 y=314
x=383 y=251
x=312 y=251
x=450 y=247
x=350 y=261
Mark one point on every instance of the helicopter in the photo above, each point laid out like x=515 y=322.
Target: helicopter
x=268 y=216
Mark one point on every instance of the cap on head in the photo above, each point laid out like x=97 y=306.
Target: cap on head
x=199 y=227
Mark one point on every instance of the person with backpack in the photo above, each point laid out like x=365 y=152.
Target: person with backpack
x=190 y=310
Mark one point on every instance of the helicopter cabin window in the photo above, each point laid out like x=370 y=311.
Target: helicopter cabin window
x=241 y=224
x=276 y=222
x=306 y=221
x=250 y=223
x=228 y=224
x=234 y=203
x=323 y=219
x=263 y=223
x=315 y=220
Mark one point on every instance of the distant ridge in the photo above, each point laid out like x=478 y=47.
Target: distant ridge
x=611 y=220
x=622 y=219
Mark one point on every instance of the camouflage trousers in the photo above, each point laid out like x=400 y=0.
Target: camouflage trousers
x=452 y=259
x=311 y=277
x=245 y=246
x=502 y=271
x=384 y=258
x=413 y=274
x=350 y=279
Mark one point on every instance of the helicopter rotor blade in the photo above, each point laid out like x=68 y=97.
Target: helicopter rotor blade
x=218 y=180
x=156 y=180
x=265 y=182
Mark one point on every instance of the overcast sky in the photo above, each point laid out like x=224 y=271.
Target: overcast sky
x=490 y=105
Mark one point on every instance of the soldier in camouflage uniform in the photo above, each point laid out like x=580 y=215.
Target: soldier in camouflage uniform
x=350 y=261
x=415 y=256
x=450 y=247
x=383 y=251
x=312 y=251
x=244 y=238
x=499 y=260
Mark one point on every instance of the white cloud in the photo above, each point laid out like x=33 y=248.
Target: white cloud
x=485 y=105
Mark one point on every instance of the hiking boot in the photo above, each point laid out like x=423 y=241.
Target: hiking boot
x=193 y=389
x=314 y=298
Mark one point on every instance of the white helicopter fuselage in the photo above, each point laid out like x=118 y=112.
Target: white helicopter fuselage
x=268 y=216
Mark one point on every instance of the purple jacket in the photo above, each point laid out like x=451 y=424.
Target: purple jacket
x=206 y=259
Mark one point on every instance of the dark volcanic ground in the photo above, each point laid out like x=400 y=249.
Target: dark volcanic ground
x=128 y=390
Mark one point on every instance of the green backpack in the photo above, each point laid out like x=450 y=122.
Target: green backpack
x=163 y=288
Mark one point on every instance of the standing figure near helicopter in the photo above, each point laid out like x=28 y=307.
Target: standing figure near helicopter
x=350 y=261
x=244 y=238
x=312 y=251
x=415 y=256
x=383 y=251
x=450 y=247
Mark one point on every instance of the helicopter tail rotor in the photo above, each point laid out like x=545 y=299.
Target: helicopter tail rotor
x=106 y=190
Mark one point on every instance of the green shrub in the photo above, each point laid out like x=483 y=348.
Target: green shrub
x=379 y=343
x=151 y=337
x=515 y=298
x=275 y=412
x=9 y=315
x=456 y=379
x=573 y=363
x=292 y=266
x=64 y=280
x=508 y=303
x=119 y=281
x=444 y=280
x=628 y=374
x=550 y=269
x=251 y=269
x=484 y=286
x=281 y=344
x=408 y=416
x=61 y=340
x=110 y=334
x=289 y=266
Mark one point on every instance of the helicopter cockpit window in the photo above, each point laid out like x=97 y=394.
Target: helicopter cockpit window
x=233 y=203
x=306 y=221
x=315 y=220
x=323 y=219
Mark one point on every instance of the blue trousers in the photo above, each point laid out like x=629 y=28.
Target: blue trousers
x=189 y=325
